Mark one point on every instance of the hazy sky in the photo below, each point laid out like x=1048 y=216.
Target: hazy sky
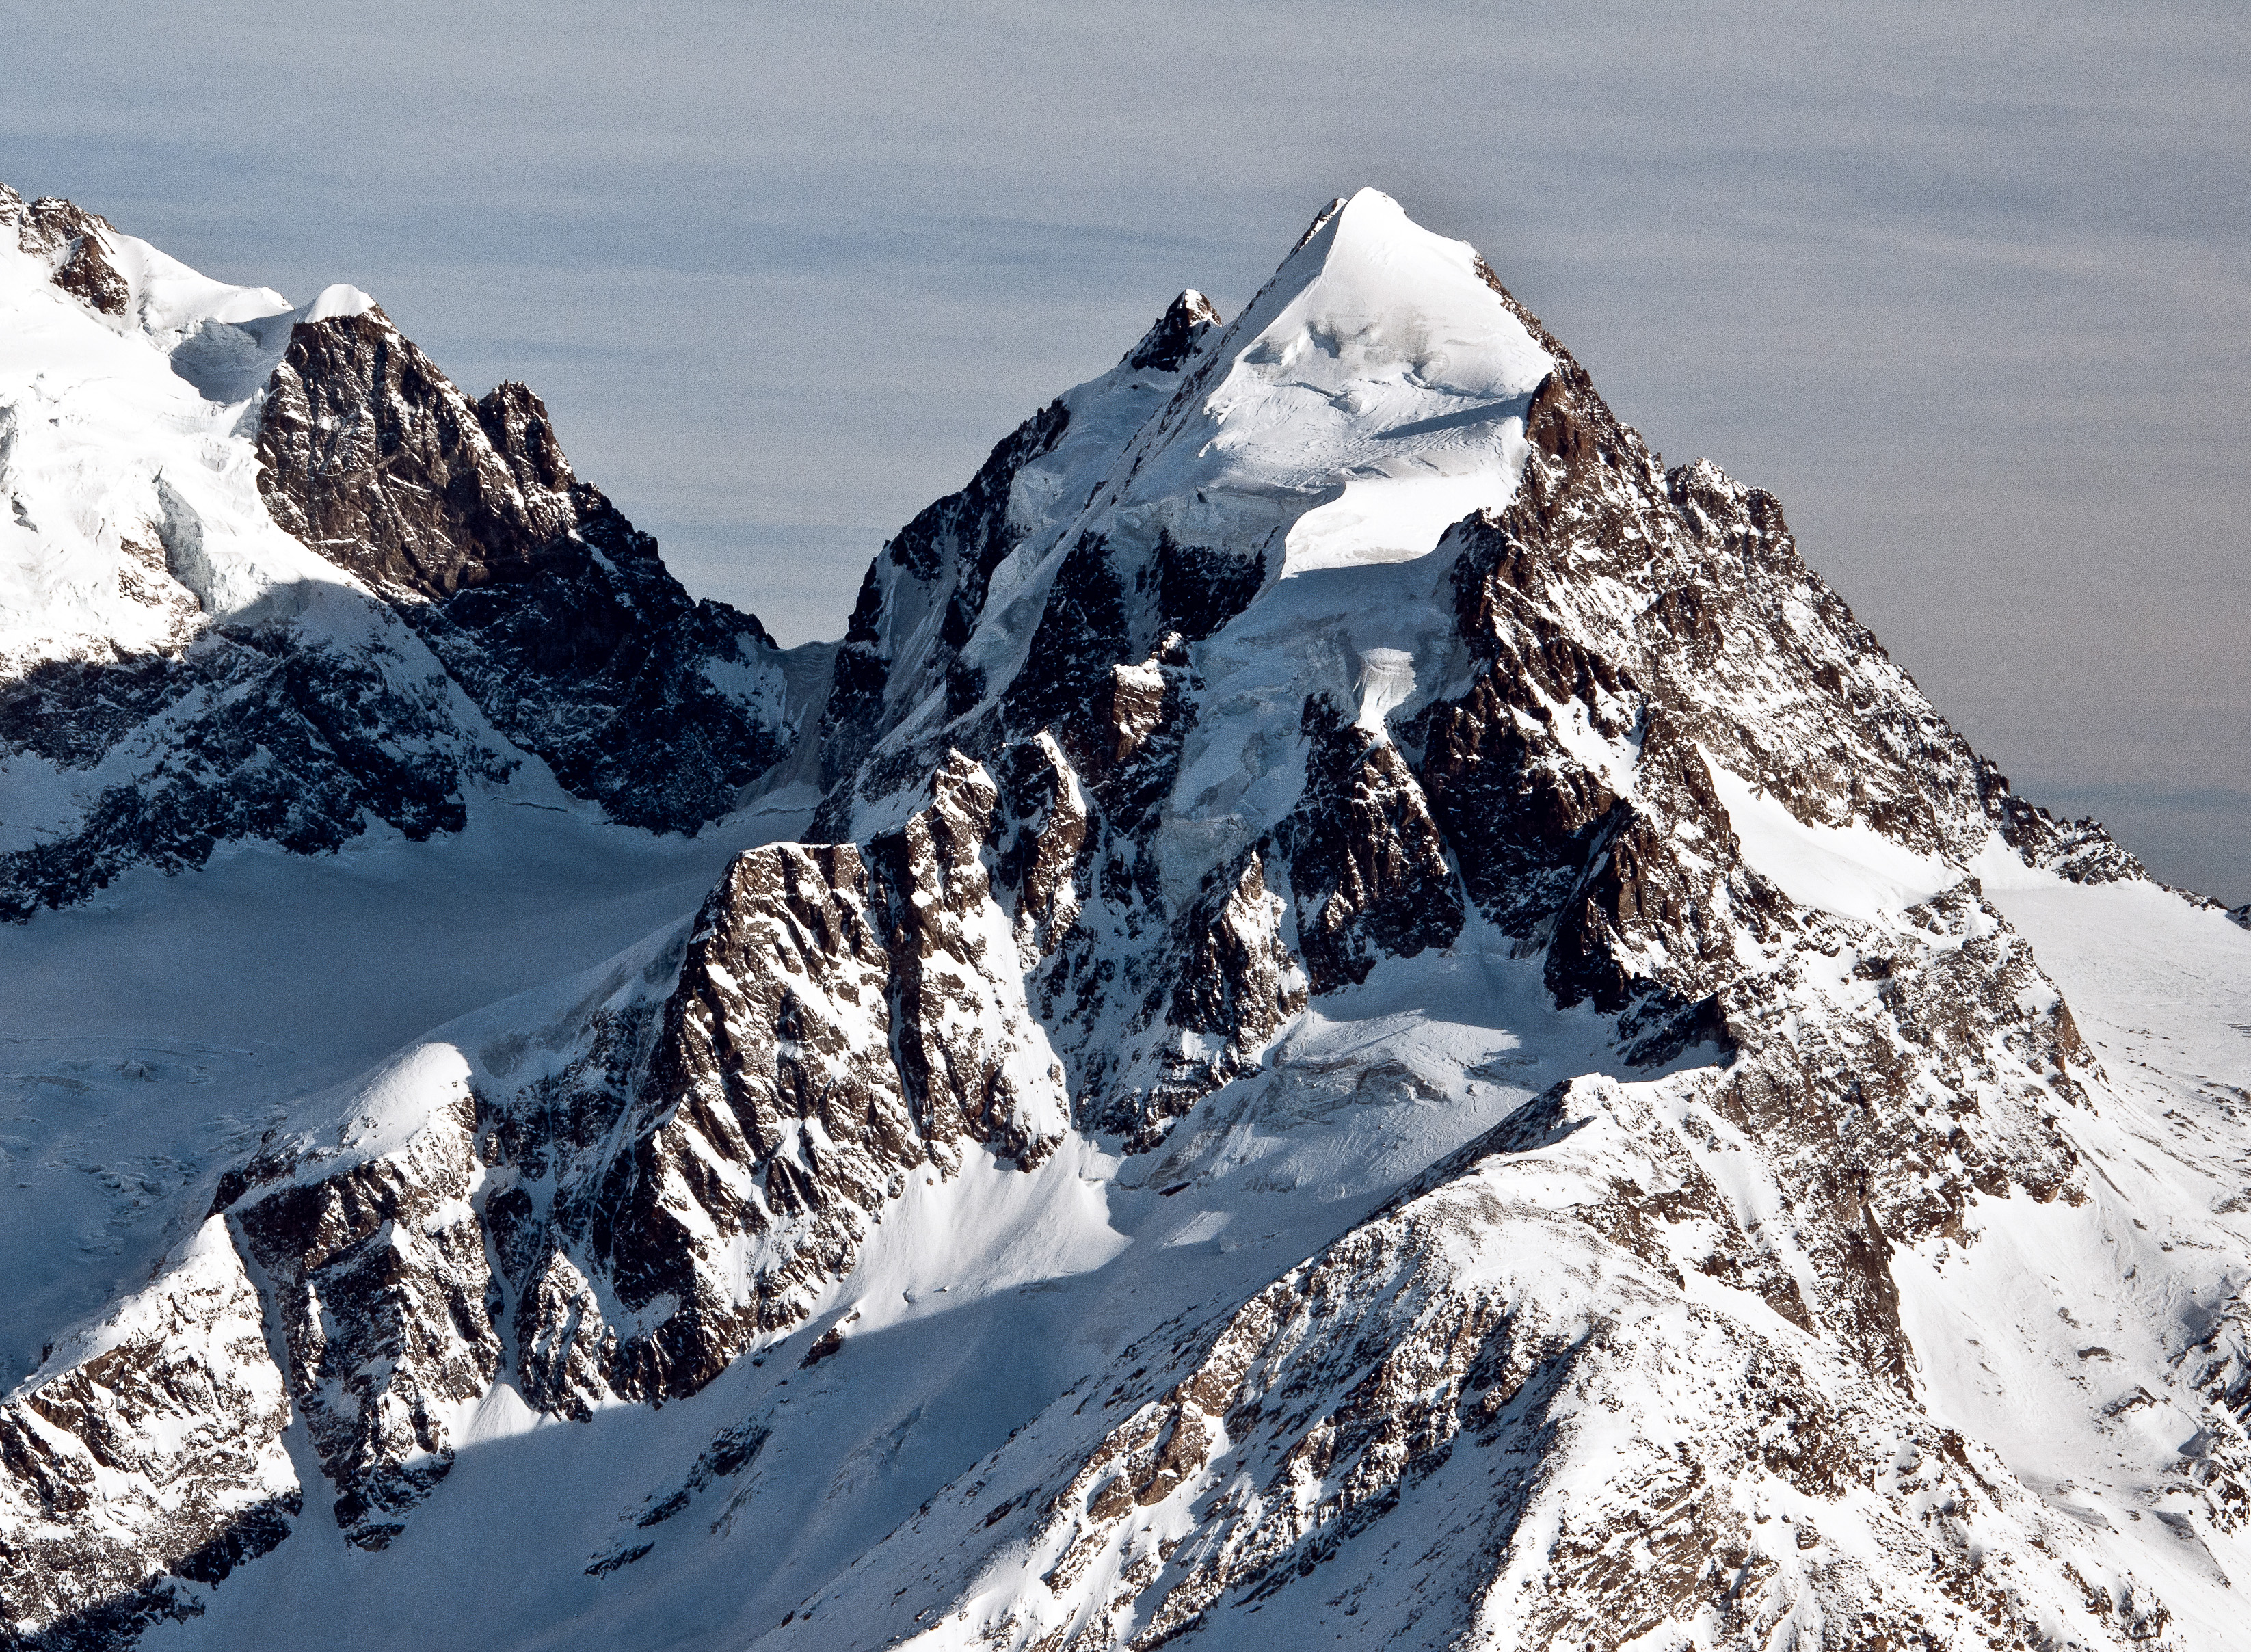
x=1969 y=287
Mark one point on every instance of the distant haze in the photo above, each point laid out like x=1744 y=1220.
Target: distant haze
x=1969 y=287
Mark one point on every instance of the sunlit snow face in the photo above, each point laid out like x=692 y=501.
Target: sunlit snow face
x=1379 y=400
x=125 y=437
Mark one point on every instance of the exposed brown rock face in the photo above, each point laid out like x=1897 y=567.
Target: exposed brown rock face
x=385 y=1302
x=1166 y=346
x=771 y=1101
x=544 y=602
x=1238 y=988
x=970 y=1052
x=88 y=276
x=1735 y=650
x=1555 y=1388
x=153 y=1463
x=842 y=1020
x=75 y=241
x=945 y=555
x=1367 y=861
x=1866 y=1118
x=371 y=454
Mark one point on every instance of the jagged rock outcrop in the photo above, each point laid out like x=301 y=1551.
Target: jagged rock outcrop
x=842 y=1020
x=939 y=569
x=76 y=242
x=2080 y=850
x=547 y=606
x=376 y=1277
x=146 y=1461
x=1367 y=862
x=177 y=672
x=1299 y=685
x=1633 y=628
x=838 y=1021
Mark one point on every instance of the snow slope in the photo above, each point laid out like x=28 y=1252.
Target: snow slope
x=978 y=1298
x=178 y=670
x=1396 y=1030
x=122 y=436
x=984 y=1295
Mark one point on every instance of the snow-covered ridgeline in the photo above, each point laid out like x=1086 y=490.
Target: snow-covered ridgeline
x=126 y=446
x=187 y=654
x=1295 y=748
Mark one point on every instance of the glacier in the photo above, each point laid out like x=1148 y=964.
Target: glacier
x=1348 y=1011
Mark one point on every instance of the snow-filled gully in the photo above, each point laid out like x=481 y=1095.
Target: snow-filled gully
x=1352 y=1015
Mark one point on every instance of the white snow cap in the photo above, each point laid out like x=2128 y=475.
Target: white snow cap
x=125 y=432
x=341 y=298
x=1373 y=396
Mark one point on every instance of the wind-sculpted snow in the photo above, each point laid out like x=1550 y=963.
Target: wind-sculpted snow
x=1500 y=1020
x=178 y=671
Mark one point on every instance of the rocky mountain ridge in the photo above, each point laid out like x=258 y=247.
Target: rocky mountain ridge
x=1325 y=771
x=449 y=603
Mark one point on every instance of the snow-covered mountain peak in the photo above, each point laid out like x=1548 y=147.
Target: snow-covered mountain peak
x=1371 y=295
x=339 y=298
x=116 y=278
x=1174 y=334
x=231 y=535
x=131 y=391
x=1377 y=976
x=1372 y=395
x=134 y=513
